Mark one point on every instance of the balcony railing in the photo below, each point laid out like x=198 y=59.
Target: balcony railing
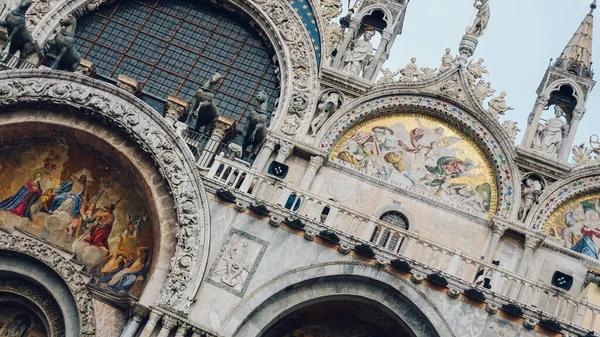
x=8 y=61
x=325 y=214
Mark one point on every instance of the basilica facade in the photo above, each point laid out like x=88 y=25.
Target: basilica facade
x=242 y=168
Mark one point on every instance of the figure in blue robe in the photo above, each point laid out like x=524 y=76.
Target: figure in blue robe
x=63 y=194
x=20 y=203
x=586 y=246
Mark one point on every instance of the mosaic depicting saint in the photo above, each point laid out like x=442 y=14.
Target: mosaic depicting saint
x=578 y=227
x=418 y=152
x=20 y=204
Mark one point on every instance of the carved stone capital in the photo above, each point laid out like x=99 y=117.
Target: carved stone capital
x=129 y=84
x=532 y=242
x=169 y=323
x=222 y=128
x=175 y=109
x=285 y=151
x=86 y=68
x=578 y=114
x=499 y=227
x=182 y=330
x=542 y=99
x=140 y=311
x=270 y=144
x=316 y=162
x=154 y=317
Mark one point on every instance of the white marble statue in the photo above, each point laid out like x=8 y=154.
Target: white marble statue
x=497 y=106
x=549 y=135
x=530 y=192
x=483 y=90
x=447 y=61
x=582 y=155
x=511 y=129
x=388 y=76
x=475 y=71
x=329 y=103
x=427 y=73
x=361 y=54
x=410 y=72
x=481 y=19
x=335 y=35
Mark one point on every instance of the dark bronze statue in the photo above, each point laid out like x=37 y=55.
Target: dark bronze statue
x=62 y=47
x=19 y=38
x=203 y=110
x=256 y=130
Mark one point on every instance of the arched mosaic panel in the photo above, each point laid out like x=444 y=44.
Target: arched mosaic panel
x=577 y=224
x=463 y=123
x=423 y=153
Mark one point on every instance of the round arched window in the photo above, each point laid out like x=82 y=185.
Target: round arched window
x=394 y=218
x=173 y=46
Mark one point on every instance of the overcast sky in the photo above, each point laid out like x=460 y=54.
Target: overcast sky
x=521 y=38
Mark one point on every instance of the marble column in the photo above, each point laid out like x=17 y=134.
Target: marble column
x=182 y=330
x=314 y=165
x=151 y=323
x=350 y=35
x=531 y=244
x=168 y=324
x=285 y=151
x=567 y=144
x=498 y=230
x=534 y=119
x=175 y=109
x=196 y=333
x=265 y=153
x=138 y=314
x=373 y=69
x=222 y=128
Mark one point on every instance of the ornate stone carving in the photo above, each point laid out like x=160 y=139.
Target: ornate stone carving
x=155 y=137
x=481 y=19
x=532 y=242
x=549 y=136
x=447 y=61
x=530 y=192
x=427 y=73
x=175 y=109
x=316 y=162
x=291 y=124
x=483 y=90
x=511 y=129
x=410 y=72
x=497 y=106
x=451 y=88
x=583 y=155
x=475 y=71
x=330 y=9
x=329 y=103
x=359 y=53
x=66 y=269
x=388 y=76
x=335 y=35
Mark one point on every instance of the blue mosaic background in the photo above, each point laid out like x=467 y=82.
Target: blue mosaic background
x=305 y=10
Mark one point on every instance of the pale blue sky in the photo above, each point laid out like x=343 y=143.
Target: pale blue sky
x=521 y=38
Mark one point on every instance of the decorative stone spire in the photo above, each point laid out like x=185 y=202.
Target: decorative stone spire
x=579 y=49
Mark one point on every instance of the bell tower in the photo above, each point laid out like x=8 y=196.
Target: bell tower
x=565 y=87
x=356 y=54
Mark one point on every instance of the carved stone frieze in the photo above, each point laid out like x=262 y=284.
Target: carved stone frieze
x=68 y=270
x=152 y=133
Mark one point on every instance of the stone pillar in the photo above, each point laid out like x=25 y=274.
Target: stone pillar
x=138 y=314
x=285 y=151
x=168 y=324
x=531 y=244
x=498 y=230
x=454 y=263
x=151 y=323
x=567 y=144
x=265 y=153
x=309 y=175
x=129 y=84
x=534 y=119
x=350 y=35
x=196 y=333
x=222 y=128
x=175 y=109
x=466 y=49
x=371 y=72
x=182 y=330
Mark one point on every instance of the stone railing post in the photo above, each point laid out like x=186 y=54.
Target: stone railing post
x=168 y=324
x=309 y=175
x=138 y=314
x=222 y=128
x=265 y=153
x=151 y=323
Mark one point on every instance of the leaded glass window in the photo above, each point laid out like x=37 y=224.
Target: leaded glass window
x=394 y=218
x=173 y=46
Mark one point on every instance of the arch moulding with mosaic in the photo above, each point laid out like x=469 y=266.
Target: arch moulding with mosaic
x=493 y=144
x=283 y=29
x=140 y=123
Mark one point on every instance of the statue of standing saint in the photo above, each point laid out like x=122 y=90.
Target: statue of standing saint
x=481 y=19
x=357 y=59
x=549 y=136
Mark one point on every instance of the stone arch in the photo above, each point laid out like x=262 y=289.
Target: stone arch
x=325 y=280
x=277 y=20
x=481 y=128
x=578 y=92
x=585 y=180
x=387 y=14
x=54 y=272
x=143 y=126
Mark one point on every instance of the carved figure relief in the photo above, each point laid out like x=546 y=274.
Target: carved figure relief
x=583 y=155
x=237 y=261
x=531 y=189
x=497 y=106
x=481 y=19
x=421 y=153
x=360 y=54
x=483 y=90
x=388 y=76
x=577 y=225
x=447 y=61
x=475 y=71
x=549 y=135
x=511 y=129
x=329 y=103
x=411 y=72
x=78 y=201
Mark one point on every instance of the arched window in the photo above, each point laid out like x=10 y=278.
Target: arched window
x=387 y=238
x=395 y=218
x=173 y=46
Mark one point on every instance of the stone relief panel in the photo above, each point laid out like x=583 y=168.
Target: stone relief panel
x=577 y=224
x=423 y=153
x=238 y=259
x=79 y=201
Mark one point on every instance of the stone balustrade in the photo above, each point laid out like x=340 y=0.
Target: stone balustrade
x=390 y=243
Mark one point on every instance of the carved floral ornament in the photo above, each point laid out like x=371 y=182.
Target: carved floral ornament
x=497 y=151
x=283 y=26
x=67 y=270
x=151 y=132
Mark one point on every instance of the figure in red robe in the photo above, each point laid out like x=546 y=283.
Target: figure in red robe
x=20 y=203
x=101 y=230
